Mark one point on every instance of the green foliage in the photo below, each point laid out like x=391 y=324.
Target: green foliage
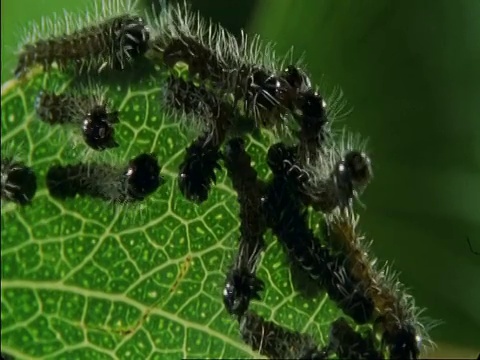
x=81 y=279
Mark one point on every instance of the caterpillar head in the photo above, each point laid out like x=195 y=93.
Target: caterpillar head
x=143 y=174
x=351 y=175
x=98 y=130
x=339 y=173
x=19 y=182
x=241 y=287
x=263 y=89
x=311 y=112
x=296 y=78
x=358 y=164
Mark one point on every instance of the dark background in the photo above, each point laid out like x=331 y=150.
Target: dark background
x=411 y=72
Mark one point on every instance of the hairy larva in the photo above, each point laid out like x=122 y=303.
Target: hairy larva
x=113 y=39
x=242 y=284
x=288 y=220
x=395 y=315
x=132 y=183
x=276 y=342
x=86 y=110
x=18 y=181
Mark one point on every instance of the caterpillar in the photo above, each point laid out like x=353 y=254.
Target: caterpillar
x=264 y=86
x=87 y=110
x=287 y=218
x=18 y=181
x=115 y=38
x=394 y=315
x=132 y=183
x=241 y=284
x=340 y=173
x=276 y=342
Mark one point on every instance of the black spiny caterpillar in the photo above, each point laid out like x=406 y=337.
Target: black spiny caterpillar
x=139 y=179
x=242 y=285
x=115 y=37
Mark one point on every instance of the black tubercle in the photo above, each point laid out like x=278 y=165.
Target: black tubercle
x=18 y=182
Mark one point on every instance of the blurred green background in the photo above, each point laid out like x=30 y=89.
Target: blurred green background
x=411 y=72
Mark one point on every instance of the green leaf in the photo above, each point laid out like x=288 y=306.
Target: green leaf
x=81 y=279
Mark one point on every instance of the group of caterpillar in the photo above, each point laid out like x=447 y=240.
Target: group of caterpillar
x=340 y=264
x=230 y=87
x=110 y=38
